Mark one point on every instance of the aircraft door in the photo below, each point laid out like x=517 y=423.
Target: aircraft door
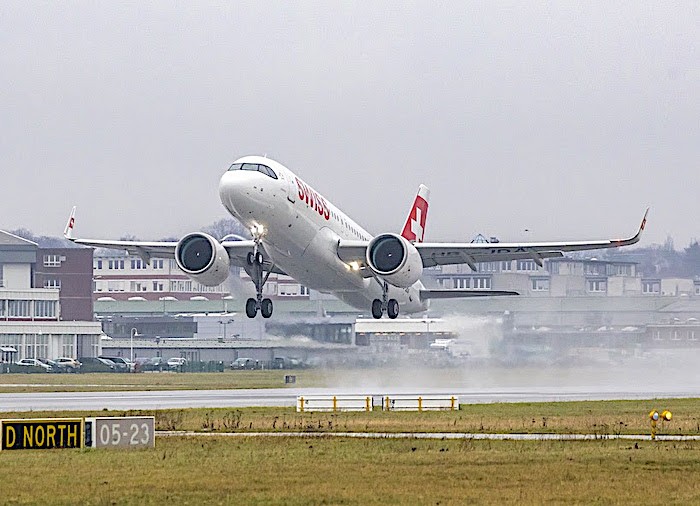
x=291 y=190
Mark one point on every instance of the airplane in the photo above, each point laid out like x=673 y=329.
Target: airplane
x=298 y=232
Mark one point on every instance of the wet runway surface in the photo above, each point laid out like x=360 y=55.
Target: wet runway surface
x=144 y=400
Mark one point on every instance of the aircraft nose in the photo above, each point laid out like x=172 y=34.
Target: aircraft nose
x=236 y=190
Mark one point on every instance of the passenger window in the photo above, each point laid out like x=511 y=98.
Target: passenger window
x=235 y=166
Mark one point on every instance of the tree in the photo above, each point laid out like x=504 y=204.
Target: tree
x=224 y=227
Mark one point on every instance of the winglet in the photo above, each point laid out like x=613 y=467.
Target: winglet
x=68 y=232
x=644 y=221
x=414 y=228
x=635 y=238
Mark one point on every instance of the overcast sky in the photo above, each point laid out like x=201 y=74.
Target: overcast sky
x=566 y=118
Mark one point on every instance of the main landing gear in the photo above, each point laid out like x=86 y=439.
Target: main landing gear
x=391 y=306
x=255 y=262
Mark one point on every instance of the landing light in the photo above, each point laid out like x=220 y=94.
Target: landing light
x=354 y=266
x=257 y=230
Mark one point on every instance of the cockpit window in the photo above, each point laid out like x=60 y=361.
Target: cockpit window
x=267 y=170
x=254 y=167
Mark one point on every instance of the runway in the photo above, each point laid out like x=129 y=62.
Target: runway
x=170 y=399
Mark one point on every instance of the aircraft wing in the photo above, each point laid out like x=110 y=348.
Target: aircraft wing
x=237 y=249
x=472 y=253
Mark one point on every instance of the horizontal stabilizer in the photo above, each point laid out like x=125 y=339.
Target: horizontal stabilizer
x=457 y=293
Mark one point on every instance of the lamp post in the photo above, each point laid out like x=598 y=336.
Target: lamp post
x=134 y=333
x=224 y=323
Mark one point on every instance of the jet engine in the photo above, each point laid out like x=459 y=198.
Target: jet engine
x=395 y=259
x=202 y=258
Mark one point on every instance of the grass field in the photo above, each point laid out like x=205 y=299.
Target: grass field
x=280 y=470
x=599 y=417
x=344 y=471
x=155 y=381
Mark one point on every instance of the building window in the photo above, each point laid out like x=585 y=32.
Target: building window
x=45 y=309
x=656 y=335
x=676 y=336
x=527 y=265
x=288 y=290
x=115 y=286
x=98 y=265
x=67 y=346
x=52 y=260
x=303 y=290
x=3 y=307
x=52 y=283
x=482 y=283
x=697 y=289
x=18 y=308
x=651 y=287
x=462 y=282
x=506 y=266
x=595 y=269
x=137 y=286
x=157 y=286
x=487 y=267
x=137 y=263
x=621 y=270
x=692 y=336
x=539 y=284
x=157 y=263
x=597 y=285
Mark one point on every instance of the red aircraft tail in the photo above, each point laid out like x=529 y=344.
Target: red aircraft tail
x=414 y=229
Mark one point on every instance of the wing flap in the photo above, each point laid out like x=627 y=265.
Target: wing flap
x=458 y=294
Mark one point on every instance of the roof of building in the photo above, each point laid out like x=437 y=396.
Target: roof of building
x=8 y=239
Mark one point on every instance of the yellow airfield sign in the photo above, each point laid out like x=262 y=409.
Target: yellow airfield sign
x=41 y=433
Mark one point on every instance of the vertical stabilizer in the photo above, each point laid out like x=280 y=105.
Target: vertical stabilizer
x=68 y=231
x=414 y=229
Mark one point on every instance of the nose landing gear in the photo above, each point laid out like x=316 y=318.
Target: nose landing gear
x=255 y=261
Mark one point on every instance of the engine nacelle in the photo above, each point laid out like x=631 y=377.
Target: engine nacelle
x=203 y=258
x=395 y=259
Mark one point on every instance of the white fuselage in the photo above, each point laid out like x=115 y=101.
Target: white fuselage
x=301 y=234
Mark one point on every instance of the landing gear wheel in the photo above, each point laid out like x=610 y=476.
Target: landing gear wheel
x=251 y=308
x=377 y=308
x=259 y=258
x=250 y=258
x=392 y=308
x=266 y=308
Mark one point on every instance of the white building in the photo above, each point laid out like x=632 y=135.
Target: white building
x=30 y=318
x=120 y=276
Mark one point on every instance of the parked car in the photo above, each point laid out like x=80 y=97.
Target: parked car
x=33 y=362
x=71 y=364
x=286 y=363
x=244 y=363
x=177 y=362
x=55 y=366
x=96 y=364
x=123 y=364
